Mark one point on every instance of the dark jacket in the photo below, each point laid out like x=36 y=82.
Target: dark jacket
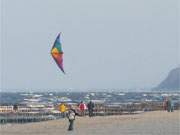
x=90 y=105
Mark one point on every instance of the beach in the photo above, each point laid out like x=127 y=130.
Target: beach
x=147 y=123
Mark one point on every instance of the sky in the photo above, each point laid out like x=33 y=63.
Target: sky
x=107 y=44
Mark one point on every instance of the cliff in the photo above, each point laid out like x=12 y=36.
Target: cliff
x=171 y=82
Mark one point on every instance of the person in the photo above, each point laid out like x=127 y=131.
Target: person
x=90 y=108
x=82 y=108
x=63 y=109
x=165 y=103
x=71 y=117
x=170 y=105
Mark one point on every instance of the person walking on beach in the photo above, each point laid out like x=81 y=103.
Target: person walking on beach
x=82 y=108
x=71 y=117
x=90 y=108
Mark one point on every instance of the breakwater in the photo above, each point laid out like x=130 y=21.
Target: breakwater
x=27 y=117
x=99 y=110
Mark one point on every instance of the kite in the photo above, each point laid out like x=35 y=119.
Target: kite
x=57 y=53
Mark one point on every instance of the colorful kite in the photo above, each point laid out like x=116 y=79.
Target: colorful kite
x=57 y=53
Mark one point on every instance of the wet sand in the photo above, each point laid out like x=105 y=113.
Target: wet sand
x=149 y=123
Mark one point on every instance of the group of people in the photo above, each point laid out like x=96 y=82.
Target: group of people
x=83 y=107
x=71 y=112
x=168 y=104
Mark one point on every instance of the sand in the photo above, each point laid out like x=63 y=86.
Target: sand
x=149 y=123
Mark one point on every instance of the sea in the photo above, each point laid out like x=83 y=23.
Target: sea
x=112 y=97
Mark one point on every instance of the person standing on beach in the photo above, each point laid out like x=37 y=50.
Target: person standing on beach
x=165 y=103
x=62 y=109
x=170 y=105
x=82 y=108
x=71 y=117
x=90 y=108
